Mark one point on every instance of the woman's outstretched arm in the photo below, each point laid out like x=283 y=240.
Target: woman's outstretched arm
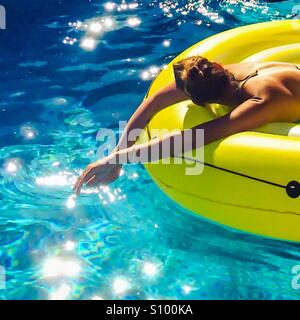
x=250 y=115
x=166 y=96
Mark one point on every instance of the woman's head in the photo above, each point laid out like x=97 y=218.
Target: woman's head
x=202 y=80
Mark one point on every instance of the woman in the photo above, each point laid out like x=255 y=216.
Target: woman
x=257 y=93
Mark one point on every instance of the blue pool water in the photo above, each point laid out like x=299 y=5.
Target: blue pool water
x=59 y=85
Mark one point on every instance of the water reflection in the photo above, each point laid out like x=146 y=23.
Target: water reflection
x=12 y=166
x=120 y=285
x=150 y=269
x=28 y=132
x=109 y=6
x=57 y=180
x=60 y=267
x=88 y=44
x=63 y=292
x=70 y=41
x=134 y=21
x=70 y=245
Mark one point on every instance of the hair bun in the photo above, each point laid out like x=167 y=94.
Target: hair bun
x=195 y=72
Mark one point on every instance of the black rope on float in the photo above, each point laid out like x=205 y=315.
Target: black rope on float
x=292 y=188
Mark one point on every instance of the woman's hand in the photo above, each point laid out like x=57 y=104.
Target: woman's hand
x=100 y=172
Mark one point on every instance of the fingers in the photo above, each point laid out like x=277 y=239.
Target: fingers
x=96 y=174
x=92 y=182
x=78 y=180
x=76 y=184
x=75 y=188
x=79 y=185
x=85 y=177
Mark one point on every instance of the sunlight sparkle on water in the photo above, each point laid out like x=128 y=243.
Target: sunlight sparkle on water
x=52 y=181
x=133 y=5
x=111 y=197
x=120 y=285
x=88 y=44
x=134 y=176
x=78 y=24
x=108 y=22
x=70 y=245
x=133 y=22
x=55 y=164
x=150 y=269
x=58 y=267
x=61 y=293
x=126 y=6
x=154 y=70
x=11 y=166
x=166 y=43
x=95 y=27
x=70 y=41
x=107 y=195
x=28 y=133
x=71 y=202
x=150 y=73
x=123 y=6
x=187 y=289
x=97 y=298
x=145 y=75
x=109 y=6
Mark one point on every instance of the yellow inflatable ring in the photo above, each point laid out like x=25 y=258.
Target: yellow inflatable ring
x=250 y=179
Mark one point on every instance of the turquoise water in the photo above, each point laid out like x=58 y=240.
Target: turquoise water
x=60 y=84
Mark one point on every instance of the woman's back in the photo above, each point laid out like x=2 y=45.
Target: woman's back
x=269 y=79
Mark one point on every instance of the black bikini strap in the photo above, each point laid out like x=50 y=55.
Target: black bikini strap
x=253 y=74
